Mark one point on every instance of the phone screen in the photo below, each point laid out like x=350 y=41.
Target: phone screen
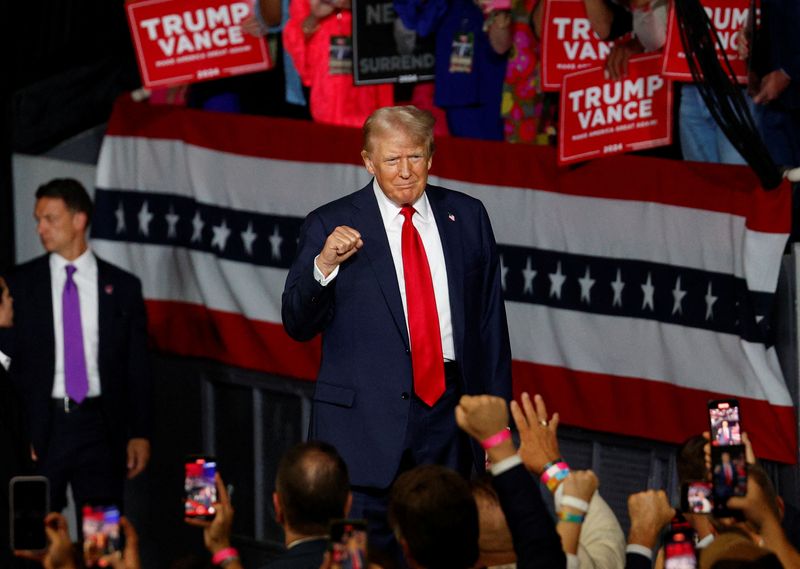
x=697 y=497
x=680 y=555
x=725 y=422
x=101 y=533
x=29 y=497
x=200 y=489
x=728 y=476
x=348 y=544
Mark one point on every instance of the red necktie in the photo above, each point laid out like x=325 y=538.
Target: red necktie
x=423 y=319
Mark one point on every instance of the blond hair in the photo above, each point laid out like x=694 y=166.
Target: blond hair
x=416 y=123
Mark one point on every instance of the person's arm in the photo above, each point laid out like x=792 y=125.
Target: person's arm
x=295 y=37
x=307 y=306
x=782 y=50
x=6 y=320
x=621 y=52
x=217 y=533
x=536 y=541
x=649 y=512
x=139 y=385
x=60 y=554
x=601 y=17
x=537 y=434
x=6 y=323
x=579 y=487
x=499 y=31
x=602 y=541
x=757 y=511
x=270 y=11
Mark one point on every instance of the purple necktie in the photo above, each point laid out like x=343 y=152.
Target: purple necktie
x=75 y=378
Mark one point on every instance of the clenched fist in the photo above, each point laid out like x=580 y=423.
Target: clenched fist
x=340 y=245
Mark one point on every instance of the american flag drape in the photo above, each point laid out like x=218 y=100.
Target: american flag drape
x=636 y=288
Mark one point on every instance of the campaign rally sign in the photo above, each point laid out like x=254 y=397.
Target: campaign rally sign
x=184 y=41
x=601 y=117
x=569 y=43
x=386 y=51
x=729 y=18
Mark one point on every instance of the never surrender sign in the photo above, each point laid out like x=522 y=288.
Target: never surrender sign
x=569 y=44
x=600 y=117
x=729 y=18
x=184 y=41
x=385 y=51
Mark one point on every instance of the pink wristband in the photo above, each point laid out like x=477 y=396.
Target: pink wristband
x=496 y=439
x=224 y=554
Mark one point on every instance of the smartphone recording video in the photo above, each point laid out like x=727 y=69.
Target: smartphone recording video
x=348 y=544
x=728 y=476
x=200 y=489
x=29 y=501
x=724 y=421
x=697 y=497
x=101 y=533
x=679 y=550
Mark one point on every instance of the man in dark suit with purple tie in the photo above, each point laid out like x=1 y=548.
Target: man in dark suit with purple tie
x=402 y=279
x=78 y=355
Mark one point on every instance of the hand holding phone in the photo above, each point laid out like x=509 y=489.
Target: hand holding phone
x=348 y=545
x=29 y=499
x=200 y=490
x=724 y=422
x=59 y=551
x=217 y=532
x=101 y=532
x=728 y=454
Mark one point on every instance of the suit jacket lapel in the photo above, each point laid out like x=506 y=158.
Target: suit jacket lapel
x=367 y=220
x=452 y=247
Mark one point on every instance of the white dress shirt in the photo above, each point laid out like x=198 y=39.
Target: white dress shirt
x=425 y=223
x=85 y=277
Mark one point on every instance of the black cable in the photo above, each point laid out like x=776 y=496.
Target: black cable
x=717 y=84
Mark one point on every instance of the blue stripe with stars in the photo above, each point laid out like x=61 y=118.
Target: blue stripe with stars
x=167 y=219
x=600 y=285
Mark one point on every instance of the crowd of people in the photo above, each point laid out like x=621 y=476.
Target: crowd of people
x=442 y=520
x=494 y=90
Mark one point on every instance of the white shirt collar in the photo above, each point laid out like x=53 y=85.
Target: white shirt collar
x=83 y=264
x=308 y=539
x=706 y=541
x=390 y=210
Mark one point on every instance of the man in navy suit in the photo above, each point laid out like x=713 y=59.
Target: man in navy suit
x=380 y=396
x=89 y=428
x=311 y=489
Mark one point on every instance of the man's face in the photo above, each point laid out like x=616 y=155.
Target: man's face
x=59 y=229
x=399 y=164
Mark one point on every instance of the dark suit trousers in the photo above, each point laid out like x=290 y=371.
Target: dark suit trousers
x=82 y=454
x=431 y=437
